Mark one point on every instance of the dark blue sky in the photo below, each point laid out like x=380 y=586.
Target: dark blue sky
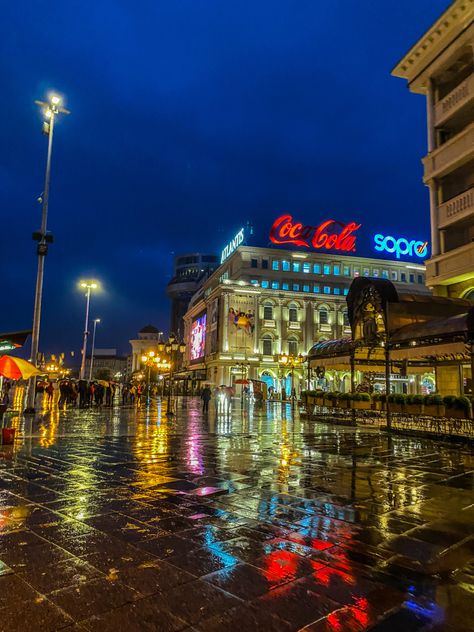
x=188 y=118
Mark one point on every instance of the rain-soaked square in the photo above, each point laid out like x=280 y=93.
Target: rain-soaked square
x=127 y=519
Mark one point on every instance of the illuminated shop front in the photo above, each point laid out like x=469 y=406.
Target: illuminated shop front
x=266 y=302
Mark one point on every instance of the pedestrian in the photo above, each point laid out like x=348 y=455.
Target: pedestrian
x=83 y=389
x=49 y=392
x=206 y=397
x=63 y=393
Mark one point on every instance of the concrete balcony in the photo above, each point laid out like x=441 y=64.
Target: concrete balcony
x=270 y=324
x=451 y=155
x=458 y=98
x=294 y=325
x=451 y=267
x=456 y=209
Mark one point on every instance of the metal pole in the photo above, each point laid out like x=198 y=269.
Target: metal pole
x=42 y=251
x=92 y=352
x=86 y=333
x=169 y=412
x=148 y=384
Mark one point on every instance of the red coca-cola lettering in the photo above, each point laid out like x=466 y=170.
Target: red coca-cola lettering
x=330 y=235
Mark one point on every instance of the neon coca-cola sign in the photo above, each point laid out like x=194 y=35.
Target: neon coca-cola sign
x=330 y=235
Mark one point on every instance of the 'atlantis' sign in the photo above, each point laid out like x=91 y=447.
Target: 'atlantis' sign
x=401 y=246
x=233 y=245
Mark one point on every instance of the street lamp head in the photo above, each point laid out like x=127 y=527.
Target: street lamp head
x=97 y=320
x=151 y=354
x=182 y=348
x=144 y=358
x=168 y=348
x=48 y=113
x=161 y=346
x=89 y=284
x=55 y=100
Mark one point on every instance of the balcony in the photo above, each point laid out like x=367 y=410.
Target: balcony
x=451 y=155
x=456 y=209
x=451 y=267
x=269 y=323
x=453 y=102
x=294 y=325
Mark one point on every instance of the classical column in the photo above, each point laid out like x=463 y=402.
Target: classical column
x=256 y=321
x=225 y=322
x=279 y=315
x=435 y=246
x=308 y=327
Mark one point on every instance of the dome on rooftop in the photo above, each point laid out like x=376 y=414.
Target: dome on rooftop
x=148 y=329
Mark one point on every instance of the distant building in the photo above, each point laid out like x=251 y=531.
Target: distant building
x=441 y=67
x=148 y=338
x=190 y=272
x=108 y=360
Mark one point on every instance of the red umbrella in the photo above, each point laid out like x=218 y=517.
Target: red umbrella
x=16 y=368
x=242 y=382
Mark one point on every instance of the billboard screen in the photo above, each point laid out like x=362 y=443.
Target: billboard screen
x=198 y=337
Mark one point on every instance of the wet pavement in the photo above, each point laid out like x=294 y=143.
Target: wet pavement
x=124 y=519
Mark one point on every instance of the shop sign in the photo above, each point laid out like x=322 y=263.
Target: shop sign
x=330 y=235
x=401 y=247
x=232 y=245
x=7 y=346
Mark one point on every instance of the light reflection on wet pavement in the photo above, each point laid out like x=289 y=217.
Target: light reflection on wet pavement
x=126 y=520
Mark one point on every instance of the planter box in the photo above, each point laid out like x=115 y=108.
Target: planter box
x=457 y=413
x=319 y=401
x=397 y=408
x=343 y=403
x=377 y=405
x=361 y=405
x=330 y=403
x=434 y=410
x=414 y=409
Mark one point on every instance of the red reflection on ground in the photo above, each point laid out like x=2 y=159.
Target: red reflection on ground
x=280 y=564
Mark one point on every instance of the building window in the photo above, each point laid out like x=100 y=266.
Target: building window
x=285 y=266
x=292 y=346
x=327 y=289
x=267 y=345
x=337 y=270
x=268 y=311
x=323 y=316
x=375 y=273
x=356 y=272
x=296 y=287
x=254 y=282
x=345 y=318
x=384 y=274
x=346 y=291
x=285 y=286
x=326 y=269
x=412 y=278
x=296 y=266
x=275 y=285
x=366 y=272
x=265 y=284
x=293 y=313
x=394 y=275
x=316 y=289
x=275 y=264
x=403 y=277
x=254 y=263
x=305 y=288
x=336 y=290
x=265 y=264
x=306 y=268
x=317 y=268
x=420 y=278
x=347 y=271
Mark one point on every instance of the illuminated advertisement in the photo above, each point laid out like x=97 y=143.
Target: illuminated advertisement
x=214 y=328
x=233 y=245
x=241 y=323
x=197 y=343
x=330 y=235
x=401 y=247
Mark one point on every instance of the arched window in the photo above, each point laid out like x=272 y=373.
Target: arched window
x=268 y=311
x=292 y=313
x=469 y=296
x=323 y=316
x=267 y=345
x=292 y=346
x=345 y=317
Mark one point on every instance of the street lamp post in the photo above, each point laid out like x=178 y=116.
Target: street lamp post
x=52 y=108
x=172 y=348
x=150 y=360
x=291 y=361
x=88 y=286
x=96 y=322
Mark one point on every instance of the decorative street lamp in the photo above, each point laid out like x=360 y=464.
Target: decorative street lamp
x=173 y=347
x=291 y=361
x=150 y=360
x=88 y=286
x=51 y=109
x=96 y=322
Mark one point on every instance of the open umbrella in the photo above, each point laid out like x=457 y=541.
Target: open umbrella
x=16 y=368
x=242 y=381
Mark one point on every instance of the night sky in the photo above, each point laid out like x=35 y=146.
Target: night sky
x=189 y=118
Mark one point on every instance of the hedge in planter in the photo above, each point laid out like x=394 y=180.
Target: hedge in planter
x=459 y=407
x=434 y=406
x=360 y=401
x=414 y=404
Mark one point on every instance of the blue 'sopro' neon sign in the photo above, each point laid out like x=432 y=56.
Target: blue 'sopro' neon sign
x=401 y=247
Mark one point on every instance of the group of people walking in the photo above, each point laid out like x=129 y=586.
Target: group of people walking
x=222 y=398
x=79 y=393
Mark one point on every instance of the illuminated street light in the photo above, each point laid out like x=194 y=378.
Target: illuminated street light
x=88 y=286
x=150 y=359
x=51 y=108
x=173 y=347
x=96 y=322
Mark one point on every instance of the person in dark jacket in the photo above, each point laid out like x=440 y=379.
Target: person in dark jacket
x=206 y=398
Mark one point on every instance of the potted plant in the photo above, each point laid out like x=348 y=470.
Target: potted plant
x=361 y=401
x=458 y=407
x=414 y=404
x=434 y=405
